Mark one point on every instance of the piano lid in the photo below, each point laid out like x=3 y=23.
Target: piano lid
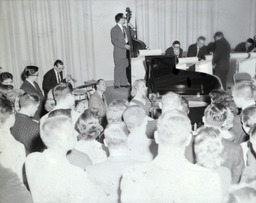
x=162 y=76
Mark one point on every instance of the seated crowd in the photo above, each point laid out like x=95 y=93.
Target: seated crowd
x=117 y=151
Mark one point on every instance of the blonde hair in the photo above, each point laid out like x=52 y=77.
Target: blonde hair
x=209 y=147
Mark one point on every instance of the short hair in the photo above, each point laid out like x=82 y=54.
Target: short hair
x=250 y=40
x=58 y=62
x=4 y=76
x=98 y=82
x=244 y=90
x=241 y=193
x=218 y=94
x=201 y=38
x=6 y=109
x=116 y=134
x=228 y=103
x=218 y=34
x=215 y=115
x=171 y=101
x=88 y=132
x=61 y=91
x=54 y=128
x=209 y=147
x=26 y=100
x=116 y=109
x=118 y=17
x=134 y=116
x=28 y=71
x=173 y=128
x=135 y=86
x=249 y=116
x=175 y=42
x=60 y=112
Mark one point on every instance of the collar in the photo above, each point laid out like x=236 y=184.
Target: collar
x=121 y=26
x=31 y=83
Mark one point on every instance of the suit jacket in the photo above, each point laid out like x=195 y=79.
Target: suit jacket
x=170 y=51
x=117 y=39
x=192 y=51
x=30 y=89
x=50 y=80
x=240 y=48
x=96 y=102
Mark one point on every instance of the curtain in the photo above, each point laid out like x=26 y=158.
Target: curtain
x=37 y=32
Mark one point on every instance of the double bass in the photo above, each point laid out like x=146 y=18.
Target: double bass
x=135 y=44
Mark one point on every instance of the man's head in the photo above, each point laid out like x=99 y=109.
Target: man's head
x=7 y=117
x=115 y=110
x=173 y=129
x=139 y=87
x=218 y=35
x=58 y=65
x=176 y=44
x=249 y=118
x=135 y=117
x=57 y=133
x=101 y=85
x=201 y=41
x=29 y=103
x=116 y=135
x=120 y=18
x=30 y=72
x=249 y=42
x=171 y=101
x=243 y=94
x=62 y=94
x=6 y=81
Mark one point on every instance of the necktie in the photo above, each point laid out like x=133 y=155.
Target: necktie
x=59 y=78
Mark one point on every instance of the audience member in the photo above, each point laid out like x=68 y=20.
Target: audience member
x=25 y=129
x=245 y=47
x=218 y=94
x=170 y=177
x=29 y=85
x=198 y=49
x=115 y=110
x=139 y=94
x=12 y=152
x=174 y=50
x=54 y=77
x=216 y=116
x=12 y=189
x=221 y=55
x=171 y=101
x=108 y=173
x=98 y=100
x=140 y=147
x=209 y=154
x=50 y=176
x=89 y=129
x=185 y=105
x=49 y=102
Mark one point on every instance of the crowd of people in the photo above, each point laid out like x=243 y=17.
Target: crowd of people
x=116 y=152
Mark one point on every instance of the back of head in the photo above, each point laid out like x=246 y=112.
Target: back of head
x=250 y=41
x=6 y=79
x=173 y=128
x=136 y=86
x=27 y=100
x=118 y=17
x=215 y=115
x=116 y=135
x=62 y=92
x=218 y=94
x=243 y=91
x=29 y=71
x=240 y=194
x=4 y=76
x=57 y=132
x=171 y=101
x=228 y=103
x=218 y=35
x=134 y=117
x=175 y=42
x=208 y=147
x=5 y=110
x=58 y=62
x=115 y=110
x=201 y=38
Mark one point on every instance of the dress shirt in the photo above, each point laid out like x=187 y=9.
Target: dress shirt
x=123 y=31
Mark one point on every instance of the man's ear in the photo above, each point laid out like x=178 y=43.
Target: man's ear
x=105 y=142
x=156 y=137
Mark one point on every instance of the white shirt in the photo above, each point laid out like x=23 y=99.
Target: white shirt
x=123 y=31
x=52 y=178
x=31 y=83
x=12 y=154
x=56 y=73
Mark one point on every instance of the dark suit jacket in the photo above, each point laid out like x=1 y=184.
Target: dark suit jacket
x=192 y=51
x=221 y=55
x=50 y=80
x=170 y=52
x=240 y=48
x=117 y=39
x=96 y=102
x=30 y=89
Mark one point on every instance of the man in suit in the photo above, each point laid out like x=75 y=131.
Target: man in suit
x=221 y=55
x=54 y=76
x=120 y=39
x=245 y=47
x=174 y=50
x=98 y=101
x=198 y=49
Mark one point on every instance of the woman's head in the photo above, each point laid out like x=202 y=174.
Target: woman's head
x=208 y=148
x=88 y=125
x=139 y=87
x=30 y=72
x=7 y=117
x=6 y=81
